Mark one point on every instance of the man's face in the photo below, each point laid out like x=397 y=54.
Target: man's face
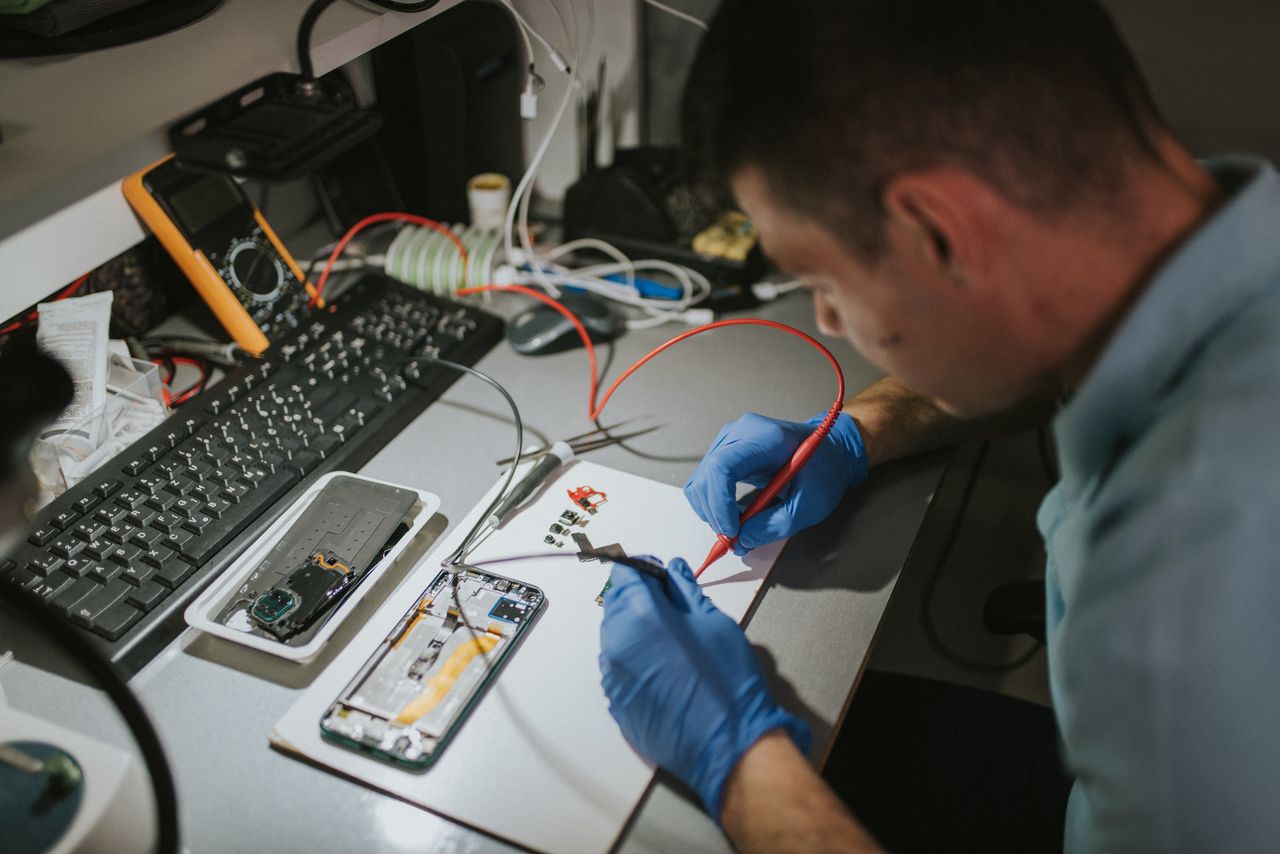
x=904 y=313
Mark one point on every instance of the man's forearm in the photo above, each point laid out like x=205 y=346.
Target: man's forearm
x=774 y=801
x=897 y=422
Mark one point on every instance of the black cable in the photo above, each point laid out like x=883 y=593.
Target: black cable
x=313 y=12
x=104 y=673
x=467 y=542
x=932 y=635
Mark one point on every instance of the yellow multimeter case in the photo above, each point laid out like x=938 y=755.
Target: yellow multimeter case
x=223 y=244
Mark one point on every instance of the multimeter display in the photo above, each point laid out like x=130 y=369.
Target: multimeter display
x=225 y=247
x=201 y=204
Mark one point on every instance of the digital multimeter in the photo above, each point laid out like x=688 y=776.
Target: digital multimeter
x=225 y=247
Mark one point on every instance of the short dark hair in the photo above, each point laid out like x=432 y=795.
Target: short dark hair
x=830 y=99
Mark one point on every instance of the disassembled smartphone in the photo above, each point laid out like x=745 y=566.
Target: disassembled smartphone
x=346 y=530
x=409 y=699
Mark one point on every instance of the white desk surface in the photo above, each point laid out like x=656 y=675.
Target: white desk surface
x=813 y=627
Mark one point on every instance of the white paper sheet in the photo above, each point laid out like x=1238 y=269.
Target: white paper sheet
x=540 y=762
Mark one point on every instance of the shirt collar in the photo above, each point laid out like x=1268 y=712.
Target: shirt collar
x=1234 y=255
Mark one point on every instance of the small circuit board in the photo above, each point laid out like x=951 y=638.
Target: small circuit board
x=411 y=696
x=345 y=531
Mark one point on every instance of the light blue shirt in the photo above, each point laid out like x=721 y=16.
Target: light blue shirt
x=1163 y=537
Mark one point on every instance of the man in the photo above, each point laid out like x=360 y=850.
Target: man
x=984 y=201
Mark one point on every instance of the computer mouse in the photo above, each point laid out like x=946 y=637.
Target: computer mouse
x=542 y=329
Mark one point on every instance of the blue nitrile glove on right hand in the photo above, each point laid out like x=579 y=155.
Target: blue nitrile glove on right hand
x=751 y=450
x=683 y=683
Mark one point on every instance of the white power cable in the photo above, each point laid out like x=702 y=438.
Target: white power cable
x=684 y=16
x=542 y=270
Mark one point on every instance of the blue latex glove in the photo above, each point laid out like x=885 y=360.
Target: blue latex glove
x=751 y=450
x=682 y=680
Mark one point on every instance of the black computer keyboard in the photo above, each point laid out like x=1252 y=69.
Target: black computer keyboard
x=123 y=552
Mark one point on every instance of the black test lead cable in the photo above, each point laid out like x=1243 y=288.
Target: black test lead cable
x=411 y=373
x=313 y=12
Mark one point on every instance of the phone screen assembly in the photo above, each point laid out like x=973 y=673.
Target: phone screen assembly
x=409 y=699
x=225 y=247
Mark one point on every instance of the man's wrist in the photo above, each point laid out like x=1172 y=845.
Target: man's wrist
x=772 y=749
x=774 y=800
x=754 y=717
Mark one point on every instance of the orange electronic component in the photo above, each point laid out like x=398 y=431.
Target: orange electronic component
x=225 y=247
x=587 y=498
x=318 y=557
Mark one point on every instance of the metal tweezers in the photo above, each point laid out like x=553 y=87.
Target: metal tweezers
x=584 y=442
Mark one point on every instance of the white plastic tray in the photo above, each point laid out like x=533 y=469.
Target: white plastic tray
x=201 y=613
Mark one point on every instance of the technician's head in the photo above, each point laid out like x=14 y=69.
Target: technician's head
x=943 y=174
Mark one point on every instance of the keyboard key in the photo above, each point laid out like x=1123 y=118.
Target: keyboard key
x=42 y=535
x=47 y=588
x=217 y=507
x=137 y=574
x=177 y=539
x=104 y=572
x=169 y=468
x=146 y=537
x=76 y=566
x=198 y=523
x=203 y=491
x=88 y=607
x=174 y=573
x=161 y=501
x=142 y=517
x=66 y=546
x=158 y=555
x=304 y=462
x=131 y=499
x=70 y=596
x=234 y=494
x=126 y=554
x=119 y=532
x=89 y=530
x=7 y=565
x=179 y=485
x=87 y=503
x=147 y=595
x=43 y=564
x=167 y=522
x=136 y=467
x=116 y=620
x=65 y=519
x=325 y=445
x=110 y=515
x=23 y=577
x=185 y=506
x=107 y=488
x=100 y=548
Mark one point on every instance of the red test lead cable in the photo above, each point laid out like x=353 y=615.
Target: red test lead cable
x=317 y=295
x=782 y=477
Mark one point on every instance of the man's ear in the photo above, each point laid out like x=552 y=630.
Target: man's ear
x=939 y=213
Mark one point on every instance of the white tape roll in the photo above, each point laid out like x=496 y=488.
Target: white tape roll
x=488 y=195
